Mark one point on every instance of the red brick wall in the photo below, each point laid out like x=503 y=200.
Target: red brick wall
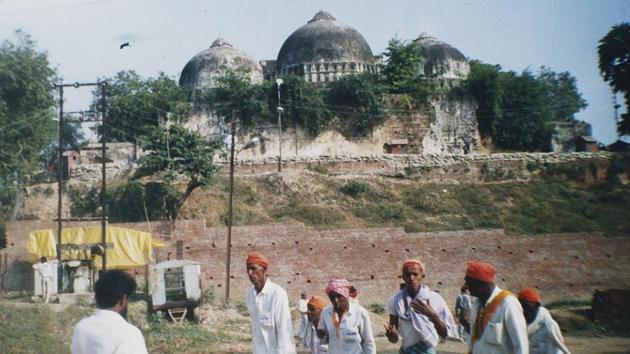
x=303 y=259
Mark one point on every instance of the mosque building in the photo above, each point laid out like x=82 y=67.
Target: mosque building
x=324 y=50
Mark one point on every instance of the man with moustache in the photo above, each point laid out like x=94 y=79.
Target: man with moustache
x=419 y=315
x=497 y=323
x=346 y=324
x=268 y=306
x=107 y=331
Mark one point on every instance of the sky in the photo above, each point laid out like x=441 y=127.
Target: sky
x=82 y=37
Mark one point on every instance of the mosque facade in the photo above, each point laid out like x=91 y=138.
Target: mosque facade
x=322 y=51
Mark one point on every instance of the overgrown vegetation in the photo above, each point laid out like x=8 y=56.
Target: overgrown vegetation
x=518 y=111
x=27 y=104
x=614 y=65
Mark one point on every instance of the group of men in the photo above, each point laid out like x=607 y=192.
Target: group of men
x=495 y=321
x=499 y=321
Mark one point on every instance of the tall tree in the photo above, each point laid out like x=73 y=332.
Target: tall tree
x=565 y=99
x=403 y=63
x=517 y=111
x=26 y=115
x=235 y=92
x=135 y=105
x=175 y=153
x=614 y=65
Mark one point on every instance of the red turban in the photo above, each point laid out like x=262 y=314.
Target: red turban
x=257 y=258
x=339 y=286
x=481 y=271
x=318 y=302
x=529 y=294
x=410 y=262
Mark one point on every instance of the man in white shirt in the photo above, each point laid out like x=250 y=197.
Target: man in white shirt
x=46 y=275
x=419 y=315
x=268 y=306
x=315 y=306
x=544 y=333
x=497 y=323
x=302 y=309
x=107 y=331
x=346 y=324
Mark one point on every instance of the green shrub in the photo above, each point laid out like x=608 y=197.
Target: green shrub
x=318 y=168
x=377 y=308
x=356 y=188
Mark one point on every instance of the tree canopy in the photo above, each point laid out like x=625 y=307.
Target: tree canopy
x=135 y=105
x=614 y=65
x=26 y=114
x=175 y=153
x=518 y=111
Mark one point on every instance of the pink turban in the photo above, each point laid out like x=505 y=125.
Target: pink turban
x=339 y=286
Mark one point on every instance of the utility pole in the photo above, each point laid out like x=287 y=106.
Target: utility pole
x=59 y=187
x=279 y=82
x=229 y=235
x=103 y=86
x=60 y=220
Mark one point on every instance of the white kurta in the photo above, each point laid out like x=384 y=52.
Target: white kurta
x=355 y=331
x=506 y=332
x=313 y=342
x=107 y=332
x=270 y=320
x=545 y=336
x=423 y=330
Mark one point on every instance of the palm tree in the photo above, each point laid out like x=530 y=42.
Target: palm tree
x=614 y=65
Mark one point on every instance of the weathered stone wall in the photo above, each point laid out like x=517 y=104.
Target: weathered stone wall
x=454 y=131
x=303 y=259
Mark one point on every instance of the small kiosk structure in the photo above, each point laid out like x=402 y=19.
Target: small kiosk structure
x=175 y=288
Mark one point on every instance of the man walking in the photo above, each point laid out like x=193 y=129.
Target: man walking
x=497 y=322
x=268 y=306
x=462 y=311
x=302 y=309
x=544 y=333
x=46 y=275
x=315 y=306
x=346 y=324
x=107 y=331
x=419 y=315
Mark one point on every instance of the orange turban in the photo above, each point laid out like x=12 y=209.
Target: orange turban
x=257 y=258
x=318 y=302
x=481 y=271
x=529 y=294
x=410 y=262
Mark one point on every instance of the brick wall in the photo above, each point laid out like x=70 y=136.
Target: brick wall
x=303 y=259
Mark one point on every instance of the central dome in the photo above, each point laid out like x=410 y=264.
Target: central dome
x=327 y=47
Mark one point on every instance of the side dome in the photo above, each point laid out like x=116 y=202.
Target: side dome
x=323 y=50
x=204 y=68
x=443 y=61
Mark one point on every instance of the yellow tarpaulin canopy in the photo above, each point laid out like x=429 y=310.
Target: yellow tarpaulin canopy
x=129 y=248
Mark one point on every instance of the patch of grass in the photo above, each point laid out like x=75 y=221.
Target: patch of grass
x=318 y=168
x=36 y=328
x=377 y=308
x=314 y=215
x=185 y=337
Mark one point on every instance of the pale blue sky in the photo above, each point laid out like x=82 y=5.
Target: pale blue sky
x=83 y=36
